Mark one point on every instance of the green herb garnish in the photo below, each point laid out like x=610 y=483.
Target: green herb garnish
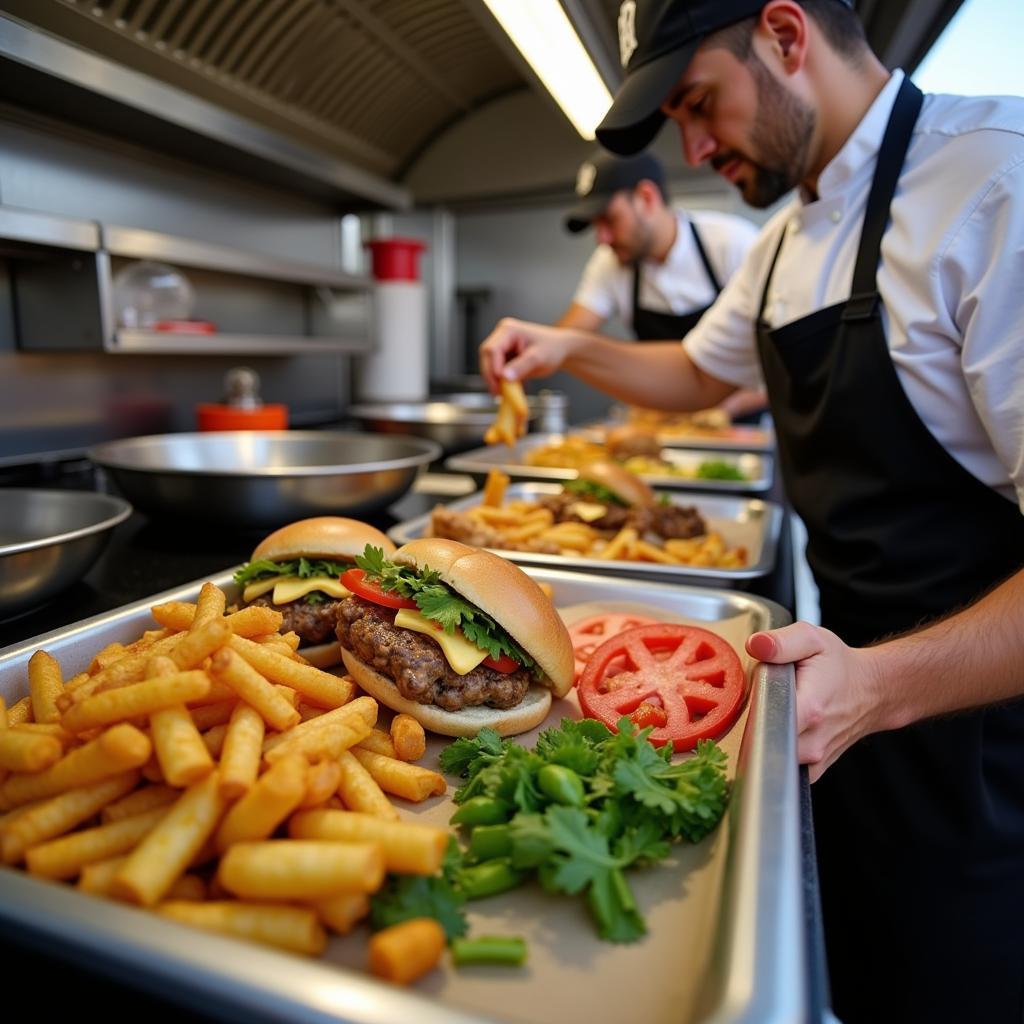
x=596 y=492
x=264 y=568
x=716 y=469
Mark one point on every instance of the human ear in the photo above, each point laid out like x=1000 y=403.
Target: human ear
x=782 y=30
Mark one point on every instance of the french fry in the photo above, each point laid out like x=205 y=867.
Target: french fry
x=359 y=790
x=315 y=685
x=275 y=794
x=362 y=707
x=233 y=670
x=53 y=729
x=326 y=743
x=215 y=736
x=111 y=653
x=400 y=778
x=116 y=750
x=142 y=800
x=51 y=818
x=618 y=544
x=123 y=672
x=98 y=879
x=209 y=715
x=296 y=929
x=28 y=751
x=409 y=738
x=141 y=698
x=167 y=850
x=297 y=869
x=45 y=686
x=408 y=849
x=65 y=857
x=219 y=693
x=196 y=646
x=343 y=911
x=242 y=752
x=20 y=711
x=252 y=621
x=407 y=951
x=494 y=488
x=647 y=552
x=183 y=757
x=322 y=781
x=379 y=742
x=3 y=727
x=175 y=615
x=209 y=606
x=510 y=423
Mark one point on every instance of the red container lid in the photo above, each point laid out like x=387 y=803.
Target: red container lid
x=211 y=416
x=395 y=259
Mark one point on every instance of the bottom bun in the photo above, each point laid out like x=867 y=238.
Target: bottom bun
x=322 y=655
x=529 y=712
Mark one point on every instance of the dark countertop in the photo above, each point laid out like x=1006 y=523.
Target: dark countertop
x=146 y=556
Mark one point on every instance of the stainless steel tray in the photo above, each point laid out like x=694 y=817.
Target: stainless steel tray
x=746 y=963
x=739 y=438
x=750 y=522
x=512 y=461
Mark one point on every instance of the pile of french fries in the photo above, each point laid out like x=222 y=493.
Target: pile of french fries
x=570 y=452
x=516 y=522
x=206 y=772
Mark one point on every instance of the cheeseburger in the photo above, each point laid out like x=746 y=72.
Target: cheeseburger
x=296 y=570
x=455 y=636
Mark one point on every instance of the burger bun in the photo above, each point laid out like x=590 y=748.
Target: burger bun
x=627 y=486
x=329 y=537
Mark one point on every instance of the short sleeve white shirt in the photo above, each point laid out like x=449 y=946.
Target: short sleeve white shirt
x=680 y=284
x=950 y=277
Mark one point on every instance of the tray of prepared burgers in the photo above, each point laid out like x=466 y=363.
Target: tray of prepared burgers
x=560 y=457
x=609 y=521
x=518 y=789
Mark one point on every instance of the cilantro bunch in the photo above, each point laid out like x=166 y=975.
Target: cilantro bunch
x=264 y=568
x=576 y=813
x=437 y=601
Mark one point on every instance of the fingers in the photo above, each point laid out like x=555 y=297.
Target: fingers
x=502 y=344
x=788 y=644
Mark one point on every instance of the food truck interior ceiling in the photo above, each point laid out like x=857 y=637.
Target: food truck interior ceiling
x=255 y=125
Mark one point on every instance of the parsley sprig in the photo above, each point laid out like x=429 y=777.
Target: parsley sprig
x=437 y=601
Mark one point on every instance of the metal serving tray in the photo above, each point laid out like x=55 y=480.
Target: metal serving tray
x=732 y=439
x=726 y=941
x=759 y=468
x=750 y=522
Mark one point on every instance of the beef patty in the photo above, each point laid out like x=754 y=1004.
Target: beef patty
x=314 y=623
x=416 y=664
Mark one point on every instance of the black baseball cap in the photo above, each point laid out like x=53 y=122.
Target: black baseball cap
x=600 y=177
x=657 y=40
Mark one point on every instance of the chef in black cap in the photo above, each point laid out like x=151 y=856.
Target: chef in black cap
x=881 y=308
x=656 y=268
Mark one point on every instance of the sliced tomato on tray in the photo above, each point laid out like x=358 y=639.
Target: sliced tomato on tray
x=369 y=590
x=690 y=673
x=588 y=634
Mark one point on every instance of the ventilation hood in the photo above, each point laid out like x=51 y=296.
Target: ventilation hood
x=365 y=103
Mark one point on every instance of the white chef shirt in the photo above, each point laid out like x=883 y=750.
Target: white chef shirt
x=678 y=285
x=951 y=275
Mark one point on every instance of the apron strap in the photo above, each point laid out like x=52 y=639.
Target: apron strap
x=864 y=297
x=713 y=277
x=771 y=274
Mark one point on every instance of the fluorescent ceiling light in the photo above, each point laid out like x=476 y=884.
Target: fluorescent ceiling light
x=545 y=37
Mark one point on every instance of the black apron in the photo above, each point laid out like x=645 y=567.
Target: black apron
x=919 y=831
x=649 y=325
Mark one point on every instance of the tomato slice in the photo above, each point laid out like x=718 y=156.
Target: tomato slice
x=588 y=634
x=355 y=580
x=690 y=672
x=506 y=663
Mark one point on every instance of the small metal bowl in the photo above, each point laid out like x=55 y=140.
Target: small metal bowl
x=255 y=478
x=456 y=423
x=49 y=540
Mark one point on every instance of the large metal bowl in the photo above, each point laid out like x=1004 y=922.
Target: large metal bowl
x=49 y=540
x=456 y=423
x=255 y=478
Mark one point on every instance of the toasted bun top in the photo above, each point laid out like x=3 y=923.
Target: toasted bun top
x=332 y=537
x=507 y=594
x=618 y=480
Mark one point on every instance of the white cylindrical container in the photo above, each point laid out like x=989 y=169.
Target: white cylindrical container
x=398 y=370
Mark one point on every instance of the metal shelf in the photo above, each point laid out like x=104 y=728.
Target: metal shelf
x=132 y=342
x=45 y=229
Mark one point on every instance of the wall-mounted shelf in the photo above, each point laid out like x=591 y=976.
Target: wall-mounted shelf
x=62 y=271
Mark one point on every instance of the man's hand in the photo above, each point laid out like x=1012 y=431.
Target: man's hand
x=838 y=696
x=518 y=350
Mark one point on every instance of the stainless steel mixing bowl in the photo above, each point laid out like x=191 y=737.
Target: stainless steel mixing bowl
x=257 y=478
x=49 y=540
x=456 y=423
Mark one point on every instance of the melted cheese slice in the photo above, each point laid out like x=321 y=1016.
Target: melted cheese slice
x=458 y=651
x=290 y=588
x=588 y=511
